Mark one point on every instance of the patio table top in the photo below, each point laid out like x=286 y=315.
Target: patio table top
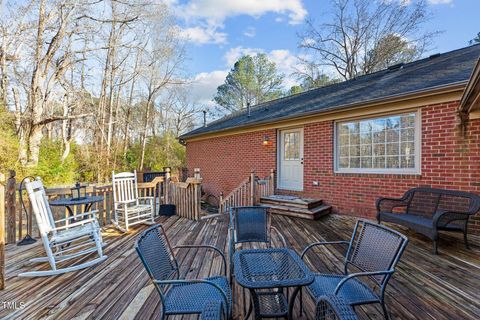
x=270 y=268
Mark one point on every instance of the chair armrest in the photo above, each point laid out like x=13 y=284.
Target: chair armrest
x=85 y=214
x=124 y=202
x=455 y=215
x=394 y=203
x=189 y=246
x=76 y=224
x=279 y=234
x=194 y=281
x=145 y=198
x=322 y=243
x=361 y=274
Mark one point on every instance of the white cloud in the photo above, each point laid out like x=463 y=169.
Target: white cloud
x=232 y=55
x=204 y=86
x=200 y=35
x=250 y=32
x=286 y=62
x=217 y=11
x=204 y=18
x=440 y=1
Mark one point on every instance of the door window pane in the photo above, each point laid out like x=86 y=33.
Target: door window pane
x=291 y=141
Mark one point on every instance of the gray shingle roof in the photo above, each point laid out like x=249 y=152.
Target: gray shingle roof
x=421 y=75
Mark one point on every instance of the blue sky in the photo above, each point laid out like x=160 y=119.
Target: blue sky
x=220 y=31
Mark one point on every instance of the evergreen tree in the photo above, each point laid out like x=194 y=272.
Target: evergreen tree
x=252 y=80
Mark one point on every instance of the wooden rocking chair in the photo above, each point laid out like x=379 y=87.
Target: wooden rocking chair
x=63 y=239
x=128 y=209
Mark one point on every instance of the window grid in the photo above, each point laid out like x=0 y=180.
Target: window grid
x=358 y=143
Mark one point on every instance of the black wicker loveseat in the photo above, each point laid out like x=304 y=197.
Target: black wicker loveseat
x=429 y=210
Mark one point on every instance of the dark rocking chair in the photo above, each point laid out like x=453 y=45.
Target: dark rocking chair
x=180 y=296
x=374 y=251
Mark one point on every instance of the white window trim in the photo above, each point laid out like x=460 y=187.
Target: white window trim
x=406 y=171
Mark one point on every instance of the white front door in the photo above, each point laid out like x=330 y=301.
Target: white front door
x=290 y=175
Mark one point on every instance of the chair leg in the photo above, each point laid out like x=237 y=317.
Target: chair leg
x=301 y=302
x=465 y=239
x=244 y=302
x=435 y=247
x=385 y=311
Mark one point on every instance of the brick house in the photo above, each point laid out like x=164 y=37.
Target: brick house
x=414 y=124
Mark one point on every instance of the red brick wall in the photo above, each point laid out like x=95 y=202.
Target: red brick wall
x=449 y=160
x=226 y=161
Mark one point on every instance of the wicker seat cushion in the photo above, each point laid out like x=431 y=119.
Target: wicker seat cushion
x=192 y=298
x=418 y=223
x=353 y=291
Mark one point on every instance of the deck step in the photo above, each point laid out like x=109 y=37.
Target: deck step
x=311 y=209
x=305 y=203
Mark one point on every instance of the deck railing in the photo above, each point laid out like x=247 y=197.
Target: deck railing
x=15 y=222
x=20 y=222
x=186 y=196
x=249 y=192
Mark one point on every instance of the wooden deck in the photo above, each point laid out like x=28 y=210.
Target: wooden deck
x=425 y=287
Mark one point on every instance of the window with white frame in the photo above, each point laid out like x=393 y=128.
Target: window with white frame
x=389 y=144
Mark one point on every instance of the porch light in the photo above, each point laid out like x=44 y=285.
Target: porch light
x=79 y=192
x=266 y=140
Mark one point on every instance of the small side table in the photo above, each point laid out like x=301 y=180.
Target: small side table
x=69 y=203
x=257 y=269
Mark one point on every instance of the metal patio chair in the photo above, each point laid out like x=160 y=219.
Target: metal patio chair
x=250 y=224
x=333 y=307
x=179 y=296
x=213 y=311
x=374 y=251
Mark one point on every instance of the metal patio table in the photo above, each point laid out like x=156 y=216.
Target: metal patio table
x=257 y=269
x=69 y=203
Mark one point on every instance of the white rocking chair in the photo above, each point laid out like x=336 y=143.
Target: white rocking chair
x=63 y=239
x=127 y=204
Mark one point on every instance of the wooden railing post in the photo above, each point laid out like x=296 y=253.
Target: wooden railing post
x=166 y=187
x=2 y=232
x=197 y=193
x=271 y=187
x=252 y=188
x=196 y=173
x=11 y=211
x=220 y=203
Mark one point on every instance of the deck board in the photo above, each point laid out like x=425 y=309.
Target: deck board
x=426 y=286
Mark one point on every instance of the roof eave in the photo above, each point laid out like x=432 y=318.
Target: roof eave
x=471 y=96
x=452 y=87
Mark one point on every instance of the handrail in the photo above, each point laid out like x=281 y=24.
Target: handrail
x=248 y=192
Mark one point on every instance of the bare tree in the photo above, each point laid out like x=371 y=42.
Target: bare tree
x=363 y=36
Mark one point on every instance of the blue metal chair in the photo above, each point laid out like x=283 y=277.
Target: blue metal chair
x=213 y=311
x=179 y=296
x=247 y=225
x=251 y=225
x=333 y=307
x=374 y=251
